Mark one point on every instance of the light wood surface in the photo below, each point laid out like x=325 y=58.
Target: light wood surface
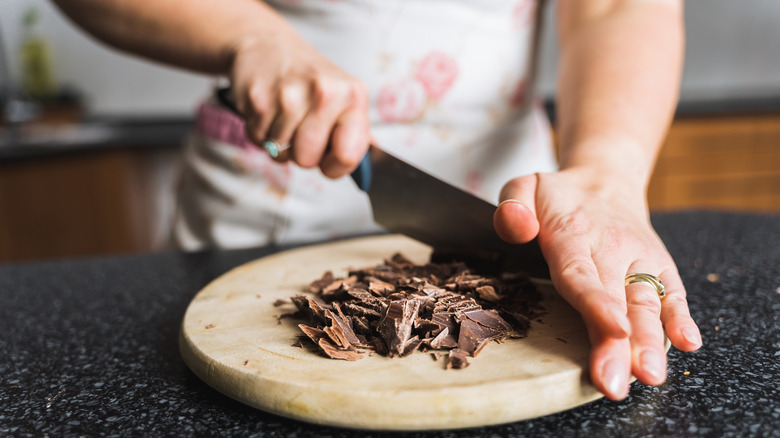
x=230 y=338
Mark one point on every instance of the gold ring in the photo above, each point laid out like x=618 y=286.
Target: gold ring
x=274 y=148
x=652 y=280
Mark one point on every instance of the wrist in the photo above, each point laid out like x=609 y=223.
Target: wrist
x=610 y=183
x=609 y=162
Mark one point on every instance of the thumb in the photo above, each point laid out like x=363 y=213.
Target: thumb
x=515 y=218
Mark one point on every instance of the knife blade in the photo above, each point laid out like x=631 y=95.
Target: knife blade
x=410 y=201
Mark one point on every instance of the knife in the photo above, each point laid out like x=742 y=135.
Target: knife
x=409 y=201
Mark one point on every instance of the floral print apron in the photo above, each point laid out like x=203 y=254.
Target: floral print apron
x=450 y=93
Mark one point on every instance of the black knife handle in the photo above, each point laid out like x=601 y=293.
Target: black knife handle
x=361 y=175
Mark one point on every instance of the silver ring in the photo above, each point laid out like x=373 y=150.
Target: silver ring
x=274 y=148
x=652 y=280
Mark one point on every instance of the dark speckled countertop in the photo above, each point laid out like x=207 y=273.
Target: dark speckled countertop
x=89 y=347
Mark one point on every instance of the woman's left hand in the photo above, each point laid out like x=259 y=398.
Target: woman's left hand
x=594 y=231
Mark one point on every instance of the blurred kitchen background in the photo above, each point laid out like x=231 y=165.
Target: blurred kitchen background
x=90 y=166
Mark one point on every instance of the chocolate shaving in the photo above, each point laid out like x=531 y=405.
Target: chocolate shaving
x=397 y=308
x=457 y=359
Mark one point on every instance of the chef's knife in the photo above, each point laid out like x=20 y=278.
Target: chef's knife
x=409 y=201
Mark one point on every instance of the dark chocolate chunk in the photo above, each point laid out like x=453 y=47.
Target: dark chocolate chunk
x=444 y=340
x=396 y=325
x=398 y=308
x=457 y=359
x=335 y=353
x=316 y=286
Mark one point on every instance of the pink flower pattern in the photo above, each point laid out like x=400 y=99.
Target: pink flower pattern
x=474 y=181
x=519 y=94
x=523 y=14
x=437 y=72
x=401 y=101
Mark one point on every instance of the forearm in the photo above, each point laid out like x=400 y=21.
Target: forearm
x=620 y=69
x=198 y=35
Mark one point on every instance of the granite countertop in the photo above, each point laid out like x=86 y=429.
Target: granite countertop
x=90 y=348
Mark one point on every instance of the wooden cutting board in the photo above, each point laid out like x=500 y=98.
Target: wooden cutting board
x=231 y=338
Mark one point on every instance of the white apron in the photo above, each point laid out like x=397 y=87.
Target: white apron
x=448 y=81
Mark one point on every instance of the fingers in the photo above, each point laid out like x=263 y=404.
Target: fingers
x=259 y=110
x=349 y=139
x=648 y=355
x=675 y=316
x=577 y=278
x=293 y=103
x=650 y=316
x=515 y=218
x=323 y=121
x=610 y=364
x=349 y=143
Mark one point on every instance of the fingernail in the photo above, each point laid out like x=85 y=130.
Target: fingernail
x=615 y=380
x=511 y=201
x=691 y=335
x=653 y=363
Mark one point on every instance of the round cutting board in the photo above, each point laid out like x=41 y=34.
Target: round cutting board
x=231 y=338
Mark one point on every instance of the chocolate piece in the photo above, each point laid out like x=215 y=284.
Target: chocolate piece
x=444 y=340
x=473 y=337
x=316 y=286
x=344 y=336
x=457 y=359
x=379 y=288
x=425 y=326
x=490 y=320
x=488 y=293
x=398 y=308
x=396 y=325
x=313 y=333
x=336 y=353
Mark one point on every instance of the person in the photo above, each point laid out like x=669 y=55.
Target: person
x=446 y=86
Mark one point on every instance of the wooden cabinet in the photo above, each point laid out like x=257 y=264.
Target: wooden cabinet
x=100 y=201
x=724 y=162
x=109 y=200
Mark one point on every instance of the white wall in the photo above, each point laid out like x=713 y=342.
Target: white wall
x=113 y=83
x=733 y=52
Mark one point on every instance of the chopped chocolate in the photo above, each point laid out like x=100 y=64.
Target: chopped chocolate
x=278 y=303
x=339 y=331
x=313 y=333
x=425 y=326
x=457 y=359
x=488 y=293
x=397 y=308
x=361 y=309
x=378 y=287
x=473 y=337
x=335 y=353
x=396 y=325
x=444 y=340
x=316 y=286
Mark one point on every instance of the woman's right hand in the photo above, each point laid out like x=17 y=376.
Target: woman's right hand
x=290 y=94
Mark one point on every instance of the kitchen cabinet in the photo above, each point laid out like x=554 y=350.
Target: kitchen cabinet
x=119 y=198
x=719 y=162
x=98 y=201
